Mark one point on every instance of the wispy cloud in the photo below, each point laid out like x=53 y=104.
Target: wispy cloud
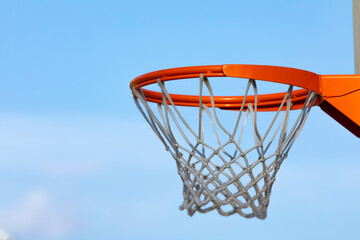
x=5 y=236
x=38 y=215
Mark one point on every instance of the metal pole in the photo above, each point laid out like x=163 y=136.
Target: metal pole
x=356 y=25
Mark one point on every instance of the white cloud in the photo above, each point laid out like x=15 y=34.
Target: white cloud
x=37 y=215
x=5 y=236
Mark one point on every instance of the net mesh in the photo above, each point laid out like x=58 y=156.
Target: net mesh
x=231 y=170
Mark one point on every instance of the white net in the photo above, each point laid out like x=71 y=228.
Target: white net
x=231 y=169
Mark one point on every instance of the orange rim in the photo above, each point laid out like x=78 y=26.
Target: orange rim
x=267 y=102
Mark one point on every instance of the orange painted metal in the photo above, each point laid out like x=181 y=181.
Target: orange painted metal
x=339 y=95
x=342 y=100
x=291 y=76
x=266 y=102
x=177 y=73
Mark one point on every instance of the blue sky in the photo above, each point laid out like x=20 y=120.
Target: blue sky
x=79 y=162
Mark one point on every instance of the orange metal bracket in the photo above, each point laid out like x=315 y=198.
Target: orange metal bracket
x=342 y=100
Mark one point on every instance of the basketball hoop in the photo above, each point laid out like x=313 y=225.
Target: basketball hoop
x=219 y=168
